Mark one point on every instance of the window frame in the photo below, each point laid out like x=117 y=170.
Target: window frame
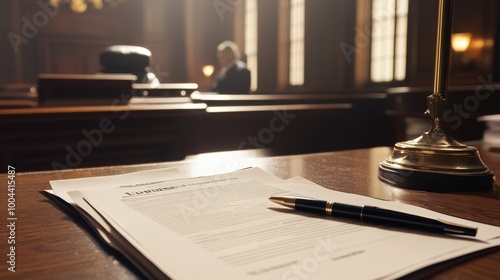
x=396 y=18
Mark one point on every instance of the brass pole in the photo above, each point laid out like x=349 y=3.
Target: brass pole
x=436 y=103
x=443 y=46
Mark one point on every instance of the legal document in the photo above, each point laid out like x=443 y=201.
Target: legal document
x=224 y=227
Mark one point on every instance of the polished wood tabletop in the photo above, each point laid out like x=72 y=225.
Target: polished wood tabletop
x=53 y=244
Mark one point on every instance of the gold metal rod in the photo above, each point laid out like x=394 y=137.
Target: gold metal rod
x=443 y=47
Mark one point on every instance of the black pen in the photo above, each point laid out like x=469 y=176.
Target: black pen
x=375 y=215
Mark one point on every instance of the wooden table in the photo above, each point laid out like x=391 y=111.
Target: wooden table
x=51 y=244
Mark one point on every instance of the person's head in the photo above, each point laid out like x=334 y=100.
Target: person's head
x=227 y=52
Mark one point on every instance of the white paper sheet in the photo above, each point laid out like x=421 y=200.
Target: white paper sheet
x=128 y=180
x=224 y=227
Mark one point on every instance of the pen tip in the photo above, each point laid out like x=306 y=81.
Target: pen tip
x=274 y=199
x=286 y=201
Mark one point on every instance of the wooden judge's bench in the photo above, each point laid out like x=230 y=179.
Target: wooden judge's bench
x=157 y=129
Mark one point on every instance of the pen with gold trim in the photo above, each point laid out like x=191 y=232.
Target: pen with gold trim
x=374 y=215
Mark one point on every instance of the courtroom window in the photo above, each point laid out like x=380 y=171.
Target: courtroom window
x=251 y=40
x=389 y=40
x=297 y=25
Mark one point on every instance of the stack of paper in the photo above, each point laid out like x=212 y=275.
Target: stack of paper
x=491 y=135
x=224 y=227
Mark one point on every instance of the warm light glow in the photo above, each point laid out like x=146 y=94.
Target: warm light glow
x=208 y=70
x=97 y=4
x=489 y=42
x=477 y=44
x=460 y=41
x=80 y=6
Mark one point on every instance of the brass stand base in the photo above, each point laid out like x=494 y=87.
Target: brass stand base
x=436 y=162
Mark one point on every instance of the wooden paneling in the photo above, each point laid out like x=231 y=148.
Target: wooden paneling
x=9 y=72
x=267 y=46
x=69 y=54
x=496 y=51
x=164 y=35
x=61 y=41
x=328 y=25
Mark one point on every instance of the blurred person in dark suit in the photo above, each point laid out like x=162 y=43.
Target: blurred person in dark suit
x=234 y=76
